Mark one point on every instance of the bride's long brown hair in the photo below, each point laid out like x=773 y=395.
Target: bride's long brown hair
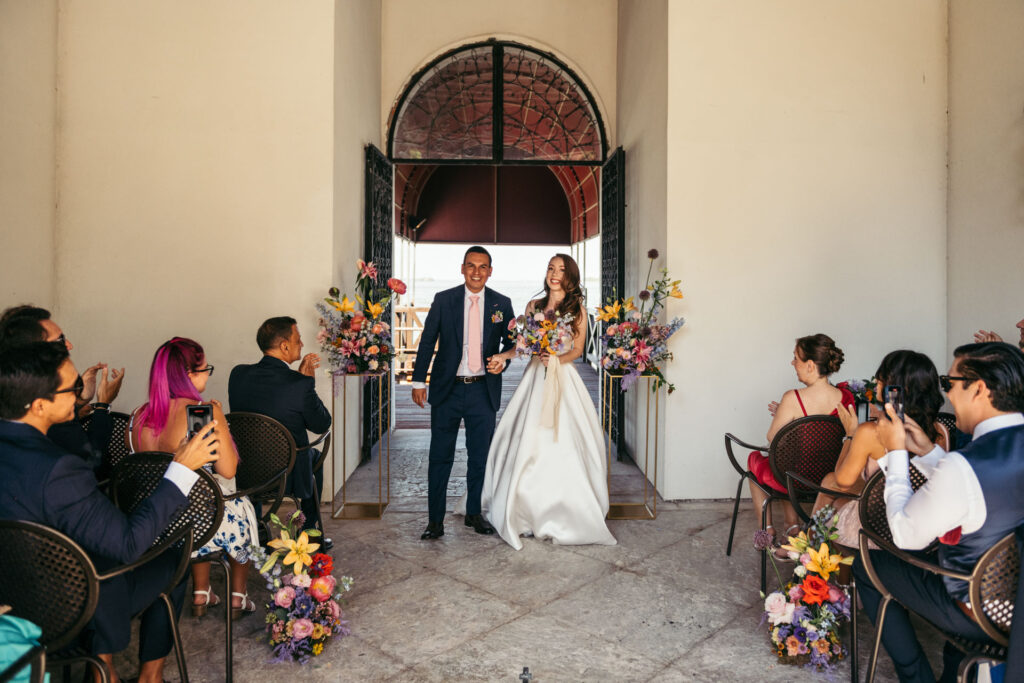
x=572 y=304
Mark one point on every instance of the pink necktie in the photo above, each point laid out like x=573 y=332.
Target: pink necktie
x=473 y=350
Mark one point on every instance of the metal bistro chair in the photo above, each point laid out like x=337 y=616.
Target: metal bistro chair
x=35 y=658
x=324 y=442
x=266 y=452
x=808 y=446
x=134 y=479
x=992 y=584
x=117 y=447
x=50 y=581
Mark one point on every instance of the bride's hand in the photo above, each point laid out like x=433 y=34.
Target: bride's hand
x=544 y=356
x=496 y=364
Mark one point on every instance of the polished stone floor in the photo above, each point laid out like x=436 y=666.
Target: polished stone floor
x=665 y=604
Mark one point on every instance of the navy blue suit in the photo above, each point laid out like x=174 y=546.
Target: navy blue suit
x=40 y=482
x=273 y=389
x=453 y=402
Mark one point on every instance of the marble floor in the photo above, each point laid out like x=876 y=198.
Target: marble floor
x=665 y=604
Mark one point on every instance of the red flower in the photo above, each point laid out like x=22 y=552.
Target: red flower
x=815 y=589
x=357 y=322
x=396 y=285
x=322 y=565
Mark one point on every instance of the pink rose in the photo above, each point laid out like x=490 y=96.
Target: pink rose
x=322 y=588
x=301 y=580
x=796 y=593
x=805 y=559
x=778 y=609
x=835 y=594
x=284 y=597
x=303 y=628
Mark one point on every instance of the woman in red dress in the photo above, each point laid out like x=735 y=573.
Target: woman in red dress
x=815 y=358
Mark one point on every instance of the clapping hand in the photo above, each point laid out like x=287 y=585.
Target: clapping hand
x=310 y=362
x=89 y=383
x=109 y=385
x=986 y=336
x=773 y=407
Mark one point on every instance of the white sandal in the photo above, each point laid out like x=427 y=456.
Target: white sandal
x=212 y=600
x=247 y=606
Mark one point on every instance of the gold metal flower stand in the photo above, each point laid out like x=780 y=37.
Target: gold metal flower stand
x=363 y=509
x=647 y=508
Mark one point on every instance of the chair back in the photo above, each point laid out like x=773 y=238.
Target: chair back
x=136 y=477
x=117 y=449
x=325 y=448
x=47 y=579
x=266 y=452
x=808 y=446
x=872 y=505
x=993 y=588
x=947 y=420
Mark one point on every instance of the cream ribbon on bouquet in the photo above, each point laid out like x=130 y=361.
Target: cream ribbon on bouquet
x=552 y=395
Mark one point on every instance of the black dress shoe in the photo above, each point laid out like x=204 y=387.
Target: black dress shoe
x=479 y=524
x=326 y=545
x=434 y=530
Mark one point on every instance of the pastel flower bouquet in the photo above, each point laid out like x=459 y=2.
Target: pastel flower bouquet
x=304 y=611
x=805 y=614
x=540 y=332
x=634 y=344
x=863 y=390
x=352 y=336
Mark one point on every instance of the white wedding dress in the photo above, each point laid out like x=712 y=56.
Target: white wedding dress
x=546 y=471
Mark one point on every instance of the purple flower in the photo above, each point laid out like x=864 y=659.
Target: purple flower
x=652 y=254
x=762 y=539
x=334 y=292
x=644 y=295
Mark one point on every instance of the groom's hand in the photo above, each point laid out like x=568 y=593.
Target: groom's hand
x=419 y=397
x=496 y=364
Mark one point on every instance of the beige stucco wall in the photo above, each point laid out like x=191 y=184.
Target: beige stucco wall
x=642 y=104
x=195 y=175
x=986 y=168
x=580 y=32
x=28 y=86
x=807 y=193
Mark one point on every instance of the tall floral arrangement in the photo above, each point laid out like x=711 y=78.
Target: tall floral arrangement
x=863 y=390
x=805 y=614
x=352 y=336
x=633 y=342
x=304 y=611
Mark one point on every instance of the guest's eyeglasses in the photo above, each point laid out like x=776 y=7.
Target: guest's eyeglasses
x=78 y=387
x=208 y=368
x=946 y=381
x=61 y=340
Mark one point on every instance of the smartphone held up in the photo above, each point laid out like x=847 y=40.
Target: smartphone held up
x=893 y=393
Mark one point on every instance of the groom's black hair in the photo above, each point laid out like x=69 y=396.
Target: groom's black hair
x=478 y=250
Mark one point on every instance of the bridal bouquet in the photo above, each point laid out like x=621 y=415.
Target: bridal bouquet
x=304 y=611
x=805 y=614
x=633 y=342
x=544 y=331
x=352 y=337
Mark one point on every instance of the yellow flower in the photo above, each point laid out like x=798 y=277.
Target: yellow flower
x=346 y=305
x=317 y=649
x=797 y=544
x=627 y=305
x=675 y=293
x=610 y=312
x=823 y=563
x=299 y=551
x=374 y=309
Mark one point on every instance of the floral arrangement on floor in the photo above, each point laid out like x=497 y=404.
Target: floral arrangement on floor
x=542 y=332
x=634 y=344
x=304 y=611
x=805 y=614
x=355 y=340
x=863 y=390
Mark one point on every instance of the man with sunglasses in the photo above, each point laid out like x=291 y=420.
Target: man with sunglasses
x=972 y=499
x=42 y=483
x=26 y=324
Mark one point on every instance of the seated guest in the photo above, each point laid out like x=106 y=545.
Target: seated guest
x=988 y=336
x=26 y=324
x=42 y=483
x=815 y=358
x=916 y=374
x=271 y=388
x=177 y=379
x=971 y=500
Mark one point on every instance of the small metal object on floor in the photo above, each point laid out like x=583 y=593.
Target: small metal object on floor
x=526 y=676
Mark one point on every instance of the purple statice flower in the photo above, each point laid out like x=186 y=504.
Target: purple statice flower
x=762 y=539
x=800 y=613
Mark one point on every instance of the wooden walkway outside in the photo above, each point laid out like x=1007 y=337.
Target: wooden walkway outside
x=408 y=415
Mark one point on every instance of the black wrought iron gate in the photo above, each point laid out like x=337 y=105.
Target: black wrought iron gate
x=613 y=262
x=379 y=240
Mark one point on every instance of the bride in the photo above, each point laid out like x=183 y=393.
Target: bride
x=546 y=474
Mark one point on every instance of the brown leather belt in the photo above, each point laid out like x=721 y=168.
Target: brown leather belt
x=468 y=379
x=966 y=610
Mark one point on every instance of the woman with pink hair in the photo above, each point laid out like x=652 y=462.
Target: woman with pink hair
x=177 y=379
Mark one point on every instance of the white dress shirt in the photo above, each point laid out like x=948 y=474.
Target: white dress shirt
x=463 y=370
x=951 y=497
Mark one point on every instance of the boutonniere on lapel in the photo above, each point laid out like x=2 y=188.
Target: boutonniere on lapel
x=497 y=317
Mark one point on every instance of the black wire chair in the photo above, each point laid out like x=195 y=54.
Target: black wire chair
x=809 y=447
x=992 y=584
x=134 y=479
x=324 y=442
x=266 y=452
x=52 y=582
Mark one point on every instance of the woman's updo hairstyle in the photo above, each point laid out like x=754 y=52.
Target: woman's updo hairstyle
x=822 y=350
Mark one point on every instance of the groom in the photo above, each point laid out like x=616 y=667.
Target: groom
x=469 y=324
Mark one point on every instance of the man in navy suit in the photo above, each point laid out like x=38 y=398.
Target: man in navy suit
x=40 y=482
x=469 y=324
x=273 y=389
